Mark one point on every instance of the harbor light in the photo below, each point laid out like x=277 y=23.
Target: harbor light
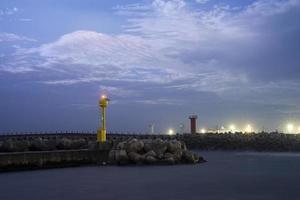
x=248 y=129
x=222 y=129
x=290 y=128
x=232 y=127
x=170 y=132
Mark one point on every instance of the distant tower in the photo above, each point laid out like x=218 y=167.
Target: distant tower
x=193 y=119
x=151 y=128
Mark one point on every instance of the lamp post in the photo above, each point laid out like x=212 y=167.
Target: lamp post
x=101 y=134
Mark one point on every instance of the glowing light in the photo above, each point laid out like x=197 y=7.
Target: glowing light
x=170 y=132
x=222 y=129
x=248 y=128
x=232 y=127
x=103 y=96
x=290 y=128
x=203 y=130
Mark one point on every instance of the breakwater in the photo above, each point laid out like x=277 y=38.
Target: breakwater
x=51 y=159
x=278 y=142
x=209 y=141
x=31 y=151
x=131 y=151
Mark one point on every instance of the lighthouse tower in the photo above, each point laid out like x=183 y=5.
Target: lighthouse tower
x=101 y=133
x=193 y=119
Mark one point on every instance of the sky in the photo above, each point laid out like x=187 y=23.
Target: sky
x=159 y=61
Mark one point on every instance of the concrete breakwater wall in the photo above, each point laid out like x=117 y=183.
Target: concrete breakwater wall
x=244 y=142
x=50 y=159
x=209 y=141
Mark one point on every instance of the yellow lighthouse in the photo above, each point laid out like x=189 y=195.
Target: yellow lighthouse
x=101 y=134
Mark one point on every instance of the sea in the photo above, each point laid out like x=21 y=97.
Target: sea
x=225 y=176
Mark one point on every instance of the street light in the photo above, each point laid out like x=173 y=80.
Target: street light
x=222 y=129
x=248 y=129
x=232 y=128
x=290 y=128
x=170 y=132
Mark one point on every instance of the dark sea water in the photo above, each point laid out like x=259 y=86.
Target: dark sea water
x=226 y=176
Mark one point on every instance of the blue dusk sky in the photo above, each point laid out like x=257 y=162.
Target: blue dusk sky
x=228 y=61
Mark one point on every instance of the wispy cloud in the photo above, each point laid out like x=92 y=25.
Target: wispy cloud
x=202 y=1
x=8 y=11
x=170 y=102
x=25 y=19
x=11 y=37
x=117 y=91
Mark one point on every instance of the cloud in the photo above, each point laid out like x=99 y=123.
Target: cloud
x=11 y=37
x=8 y=11
x=94 y=48
x=117 y=91
x=25 y=19
x=202 y=1
x=222 y=50
x=99 y=56
x=17 y=70
x=170 y=102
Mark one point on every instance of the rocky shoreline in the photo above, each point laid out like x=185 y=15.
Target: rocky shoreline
x=152 y=152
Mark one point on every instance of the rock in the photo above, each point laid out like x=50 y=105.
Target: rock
x=64 y=143
x=78 y=144
x=121 y=145
x=121 y=157
x=189 y=157
x=174 y=146
x=159 y=146
x=150 y=159
x=50 y=145
x=38 y=144
x=196 y=158
x=134 y=145
x=168 y=155
x=150 y=153
x=168 y=161
x=135 y=157
x=147 y=145
x=21 y=146
x=177 y=155
x=183 y=146
x=160 y=156
x=201 y=159
x=9 y=146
